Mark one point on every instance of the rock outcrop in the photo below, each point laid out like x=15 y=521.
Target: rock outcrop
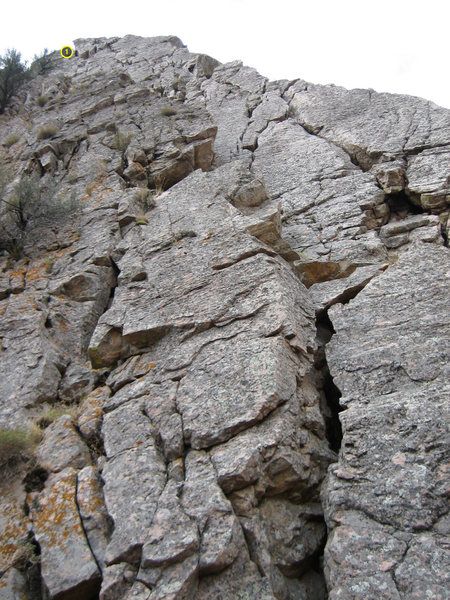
x=234 y=353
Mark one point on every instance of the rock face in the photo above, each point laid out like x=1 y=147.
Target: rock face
x=237 y=346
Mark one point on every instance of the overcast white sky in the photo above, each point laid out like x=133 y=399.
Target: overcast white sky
x=389 y=45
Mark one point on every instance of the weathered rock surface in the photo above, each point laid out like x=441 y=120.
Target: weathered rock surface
x=248 y=258
x=388 y=489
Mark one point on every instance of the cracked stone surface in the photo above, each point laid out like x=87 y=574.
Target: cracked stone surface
x=391 y=475
x=248 y=259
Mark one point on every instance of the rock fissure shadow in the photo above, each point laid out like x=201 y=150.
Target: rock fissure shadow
x=330 y=393
x=401 y=205
x=330 y=409
x=32 y=570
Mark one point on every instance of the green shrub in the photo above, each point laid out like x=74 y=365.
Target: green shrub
x=121 y=141
x=26 y=555
x=12 y=139
x=167 y=111
x=14 y=445
x=12 y=74
x=141 y=220
x=46 y=131
x=52 y=414
x=30 y=205
x=41 y=64
x=41 y=100
x=49 y=262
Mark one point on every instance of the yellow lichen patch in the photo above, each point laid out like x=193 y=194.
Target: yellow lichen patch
x=59 y=253
x=56 y=518
x=13 y=522
x=62 y=322
x=36 y=272
x=105 y=192
x=18 y=271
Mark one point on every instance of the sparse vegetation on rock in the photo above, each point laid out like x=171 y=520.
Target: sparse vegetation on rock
x=13 y=73
x=41 y=100
x=121 y=140
x=168 y=111
x=11 y=140
x=30 y=205
x=17 y=445
x=47 y=131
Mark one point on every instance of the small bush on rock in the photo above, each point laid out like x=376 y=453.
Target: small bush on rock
x=14 y=445
x=30 y=205
x=145 y=197
x=41 y=100
x=121 y=141
x=168 y=111
x=47 y=131
x=12 y=139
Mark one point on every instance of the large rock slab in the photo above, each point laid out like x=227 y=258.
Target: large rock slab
x=67 y=564
x=390 y=359
x=134 y=476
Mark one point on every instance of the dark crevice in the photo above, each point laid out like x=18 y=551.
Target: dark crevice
x=330 y=408
x=401 y=205
x=116 y=275
x=32 y=569
x=358 y=157
x=112 y=291
x=444 y=234
x=330 y=393
x=34 y=481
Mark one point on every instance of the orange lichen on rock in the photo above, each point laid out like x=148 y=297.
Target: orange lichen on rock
x=67 y=563
x=56 y=516
x=13 y=522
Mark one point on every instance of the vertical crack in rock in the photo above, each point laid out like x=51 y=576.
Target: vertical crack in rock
x=24 y=572
x=329 y=391
x=33 y=570
x=86 y=536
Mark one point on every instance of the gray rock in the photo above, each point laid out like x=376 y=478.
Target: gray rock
x=134 y=476
x=226 y=225
x=117 y=581
x=93 y=514
x=172 y=536
x=62 y=447
x=67 y=567
x=13 y=586
x=386 y=480
x=221 y=537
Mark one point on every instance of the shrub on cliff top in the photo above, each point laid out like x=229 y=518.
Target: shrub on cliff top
x=12 y=74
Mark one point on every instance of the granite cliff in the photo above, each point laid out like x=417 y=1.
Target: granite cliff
x=233 y=348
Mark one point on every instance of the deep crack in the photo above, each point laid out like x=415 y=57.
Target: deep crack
x=330 y=393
